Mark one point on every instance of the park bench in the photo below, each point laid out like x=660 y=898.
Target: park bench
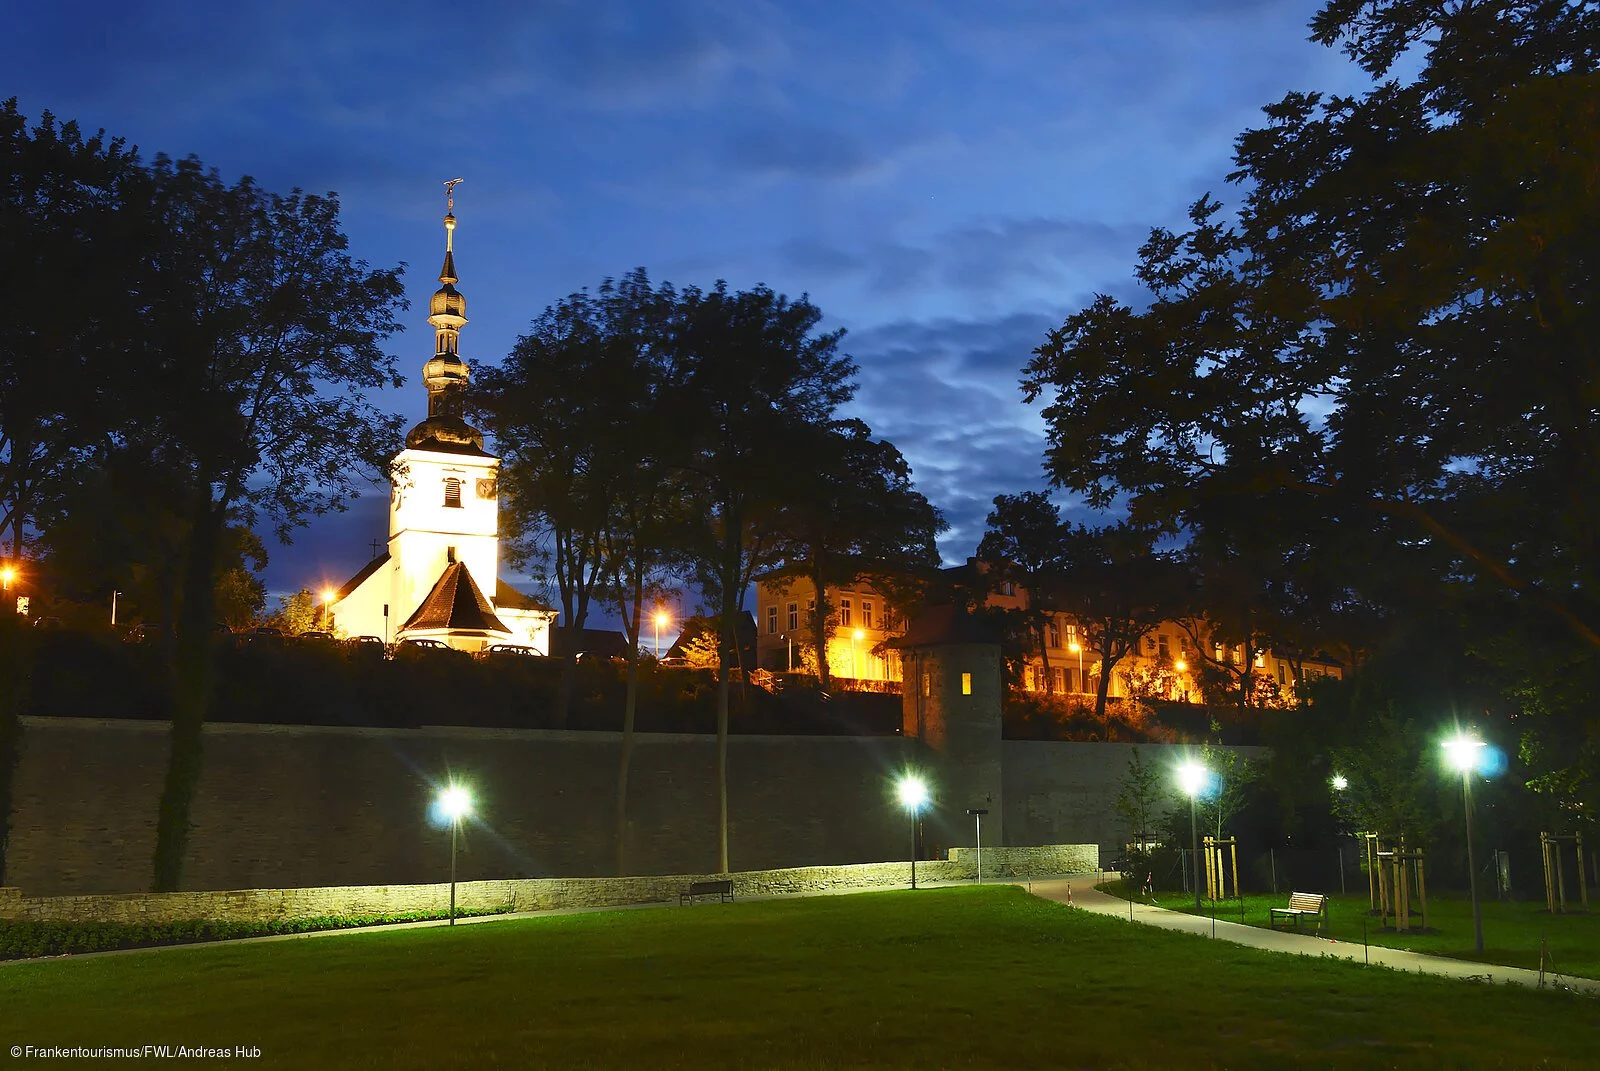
x=1301 y=905
x=722 y=889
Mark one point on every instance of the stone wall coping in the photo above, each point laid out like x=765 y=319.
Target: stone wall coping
x=520 y=894
x=231 y=728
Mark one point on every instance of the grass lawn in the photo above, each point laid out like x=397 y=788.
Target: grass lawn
x=1512 y=930
x=954 y=977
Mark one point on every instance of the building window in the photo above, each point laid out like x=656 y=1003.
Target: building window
x=1007 y=588
x=1166 y=652
x=1058 y=678
x=844 y=612
x=1281 y=681
x=772 y=620
x=794 y=616
x=1053 y=633
x=866 y=614
x=1261 y=660
x=927 y=684
x=452 y=493
x=966 y=684
x=1149 y=645
x=450 y=555
x=1183 y=645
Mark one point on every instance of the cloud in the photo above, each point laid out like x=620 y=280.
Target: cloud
x=796 y=148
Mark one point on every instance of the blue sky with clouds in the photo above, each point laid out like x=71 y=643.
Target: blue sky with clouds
x=946 y=180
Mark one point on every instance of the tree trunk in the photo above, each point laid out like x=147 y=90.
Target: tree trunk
x=16 y=666
x=192 y=680
x=1102 y=686
x=630 y=704
x=1044 y=654
x=819 y=631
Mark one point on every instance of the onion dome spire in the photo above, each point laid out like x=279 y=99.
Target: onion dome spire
x=446 y=375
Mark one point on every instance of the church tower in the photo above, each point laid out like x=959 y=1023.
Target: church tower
x=439 y=578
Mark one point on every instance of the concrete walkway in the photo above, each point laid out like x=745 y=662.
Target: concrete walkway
x=1079 y=890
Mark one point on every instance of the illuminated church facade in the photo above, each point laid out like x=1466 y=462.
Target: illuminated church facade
x=444 y=517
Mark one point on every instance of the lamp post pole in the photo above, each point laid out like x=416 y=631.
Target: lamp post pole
x=1472 y=869
x=1192 y=778
x=455 y=803
x=114 y=594
x=977 y=818
x=913 y=793
x=1464 y=752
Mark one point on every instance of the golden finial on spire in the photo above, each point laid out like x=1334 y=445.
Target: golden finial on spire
x=450 y=213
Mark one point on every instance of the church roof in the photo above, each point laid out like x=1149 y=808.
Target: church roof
x=507 y=597
x=360 y=578
x=456 y=605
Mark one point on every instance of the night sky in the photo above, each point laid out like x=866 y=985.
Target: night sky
x=945 y=180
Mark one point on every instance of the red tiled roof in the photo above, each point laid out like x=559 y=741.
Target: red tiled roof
x=455 y=604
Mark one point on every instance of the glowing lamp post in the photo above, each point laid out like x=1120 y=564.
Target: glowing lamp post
x=1077 y=648
x=661 y=618
x=1464 y=753
x=455 y=803
x=328 y=595
x=1340 y=783
x=913 y=794
x=1192 y=777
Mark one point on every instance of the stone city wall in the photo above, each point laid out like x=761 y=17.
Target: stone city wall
x=529 y=894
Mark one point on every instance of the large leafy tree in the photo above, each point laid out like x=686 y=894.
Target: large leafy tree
x=262 y=334
x=1398 y=326
x=572 y=412
x=1119 y=588
x=850 y=513
x=1024 y=544
x=68 y=238
x=749 y=372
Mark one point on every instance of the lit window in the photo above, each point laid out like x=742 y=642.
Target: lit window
x=452 y=493
x=966 y=684
x=866 y=614
x=1261 y=660
x=772 y=620
x=794 y=616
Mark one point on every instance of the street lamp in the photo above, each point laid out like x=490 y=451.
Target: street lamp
x=1077 y=648
x=1192 y=777
x=328 y=595
x=455 y=803
x=1340 y=783
x=977 y=817
x=661 y=618
x=1464 y=753
x=913 y=794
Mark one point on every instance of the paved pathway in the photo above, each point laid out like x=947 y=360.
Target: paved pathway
x=1082 y=893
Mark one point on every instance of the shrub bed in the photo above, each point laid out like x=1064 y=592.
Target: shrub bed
x=27 y=938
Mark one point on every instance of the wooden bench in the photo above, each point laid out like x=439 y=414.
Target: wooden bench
x=1301 y=905
x=722 y=889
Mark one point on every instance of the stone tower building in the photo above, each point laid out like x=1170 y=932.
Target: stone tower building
x=951 y=704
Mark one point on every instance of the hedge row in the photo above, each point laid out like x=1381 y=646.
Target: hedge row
x=27 y=938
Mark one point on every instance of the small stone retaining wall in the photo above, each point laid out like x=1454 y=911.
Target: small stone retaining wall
x=531 y=894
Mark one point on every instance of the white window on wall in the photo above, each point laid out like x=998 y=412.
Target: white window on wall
x=1053 y=633
x=844 y=612
x=866 y=614
x=772 y=620
x=1058 y=678
x=1166 y=652
x=452 y=493
x=794 y=616
x=966 y=684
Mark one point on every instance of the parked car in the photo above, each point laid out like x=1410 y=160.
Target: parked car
x=510 y=650
x=316 y=636
x=366 y=643
x=674 y=662
x=260 y=636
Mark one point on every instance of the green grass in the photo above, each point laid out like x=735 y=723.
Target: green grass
x=958 y=977
x=1512 y=930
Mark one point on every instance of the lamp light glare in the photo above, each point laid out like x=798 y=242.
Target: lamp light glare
x=860 y=635
x=455 y=803
x=663 y=619
x=1340 y=782
x=1192 y=777
x=1464 y=753
x=913 y=793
